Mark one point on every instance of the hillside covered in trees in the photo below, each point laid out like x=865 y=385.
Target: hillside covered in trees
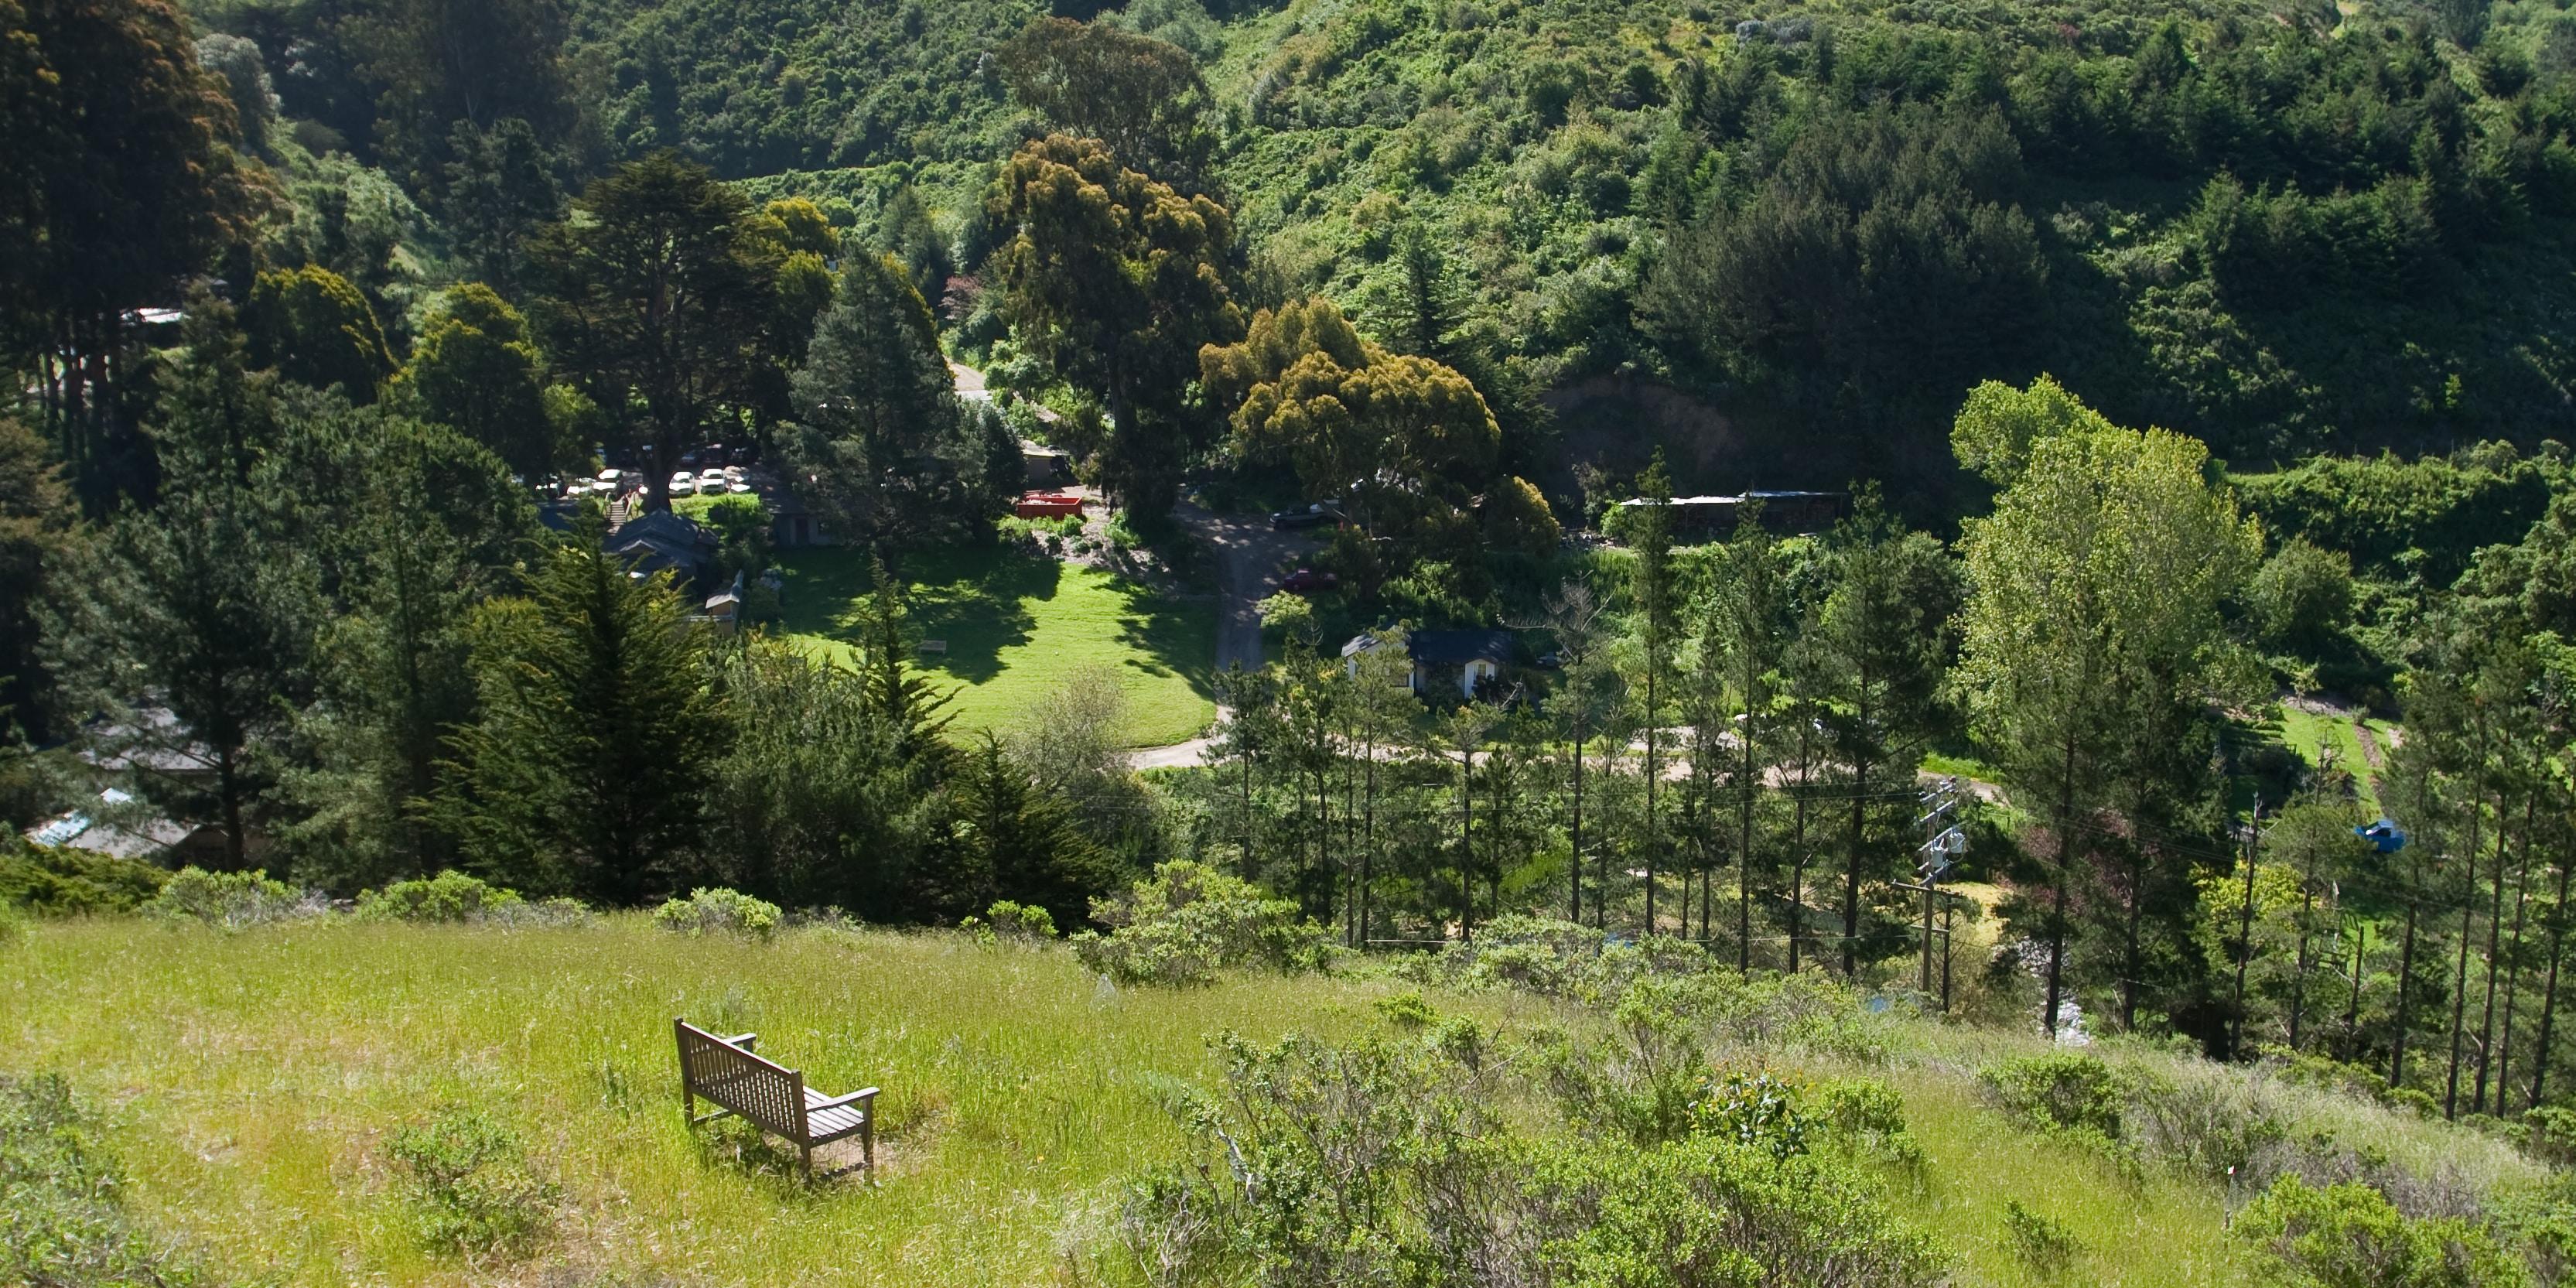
x=2283 y=229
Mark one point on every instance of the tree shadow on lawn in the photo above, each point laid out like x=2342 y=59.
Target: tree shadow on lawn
x=981 y=600
x=977 y=602
x=973 y=600
x=1166 y=638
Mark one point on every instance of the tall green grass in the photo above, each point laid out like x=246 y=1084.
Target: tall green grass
x=256 y=1081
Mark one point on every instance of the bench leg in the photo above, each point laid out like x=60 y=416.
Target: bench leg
x=809 y=1163
x=868 y=1145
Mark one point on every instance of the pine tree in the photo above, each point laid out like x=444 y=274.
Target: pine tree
x=879 y=435
x=1016 y=842
x=196 y=606
x=584 y=769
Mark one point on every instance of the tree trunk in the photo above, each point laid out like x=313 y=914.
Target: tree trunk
x=1466 y=843
x=2129 y=970
x=2495 y=925
x=2405 y=976
x=2299 y=958
x=1654 y=831
x=2549 y=991
x=1746 y=782
x=2460 y=978
x=1574 y=866
x=2513 y=956
x=2057 y=911
x=1852 y=864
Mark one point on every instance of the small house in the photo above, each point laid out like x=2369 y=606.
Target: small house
x=660 y=541
x=1470 y=661
x=1044 y=466
x=119 y=828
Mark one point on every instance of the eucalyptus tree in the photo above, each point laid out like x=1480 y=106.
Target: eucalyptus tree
x=2110 y=554
x=1117 y=281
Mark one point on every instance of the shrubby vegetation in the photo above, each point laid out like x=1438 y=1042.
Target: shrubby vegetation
x=1336 y=1162
x=718 y=911
x=1188 y=921
x=230 y=900
x=61 y=882
x=473 y=1188
x=453 y=897
x=65 y=1193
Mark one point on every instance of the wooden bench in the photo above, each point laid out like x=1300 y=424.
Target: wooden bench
x=725 y=1072
x=939 y=647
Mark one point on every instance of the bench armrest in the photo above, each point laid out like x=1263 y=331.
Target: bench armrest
x=746 y=1041
x=864 y=1093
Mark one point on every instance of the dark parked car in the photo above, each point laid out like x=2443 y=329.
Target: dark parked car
x=1307 y=580
x=1317 y=515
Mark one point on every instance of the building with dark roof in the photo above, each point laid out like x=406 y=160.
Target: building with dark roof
x=1470 y=661
x=659 y=541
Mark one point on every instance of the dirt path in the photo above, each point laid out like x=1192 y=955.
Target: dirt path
x=1248 y=554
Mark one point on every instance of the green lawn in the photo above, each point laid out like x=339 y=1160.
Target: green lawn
x=1017 y=626
x=2336 y=740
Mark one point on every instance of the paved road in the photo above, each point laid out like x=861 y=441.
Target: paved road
x=1248 y=555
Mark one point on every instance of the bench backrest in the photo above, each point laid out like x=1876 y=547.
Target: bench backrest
x=740 y=1081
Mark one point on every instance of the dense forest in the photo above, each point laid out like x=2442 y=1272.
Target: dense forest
x=2279 y=228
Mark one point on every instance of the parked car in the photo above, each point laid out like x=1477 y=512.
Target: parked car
x=684 y=486
x=1316 y=515
x=1306 y=581
x=1551 y=661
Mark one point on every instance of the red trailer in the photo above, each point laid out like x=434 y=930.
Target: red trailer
x=1048 y=505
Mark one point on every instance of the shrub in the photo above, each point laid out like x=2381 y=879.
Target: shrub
x=64 y=882
x=1756 y=1110
x=1868 y=1115
x=472 y=1187
x=718 y=910
x=1407 y=1010
x=63 y=1220
x=1188 y=921
x=1642 y=1083
x=227 y=899
x=1368 y=1163
x=450 y=896
x=13 y=923
x=2350 y=1236
x=1013 y=923
x=2061 y=1091
x=2042 y=1242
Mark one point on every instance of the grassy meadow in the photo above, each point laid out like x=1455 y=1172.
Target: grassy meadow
x=254 y=1080
x=1017 y=626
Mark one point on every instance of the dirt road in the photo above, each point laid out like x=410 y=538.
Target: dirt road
x=1249 y=553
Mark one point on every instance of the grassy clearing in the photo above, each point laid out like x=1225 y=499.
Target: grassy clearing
x=2335 y=740
x=258 y=1080
x=1017 y=626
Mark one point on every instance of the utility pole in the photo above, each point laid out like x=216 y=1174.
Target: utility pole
x=2245 y=933
x=1942 y=843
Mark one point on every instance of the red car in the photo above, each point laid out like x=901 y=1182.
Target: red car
x=1048 y=505
x=1307 y=581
